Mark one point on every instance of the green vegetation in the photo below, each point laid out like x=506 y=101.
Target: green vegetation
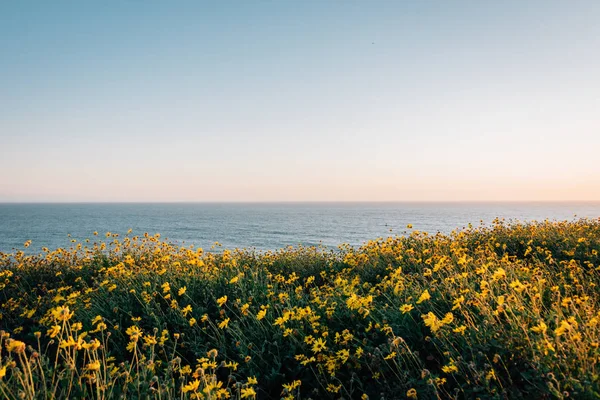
x=507 y=311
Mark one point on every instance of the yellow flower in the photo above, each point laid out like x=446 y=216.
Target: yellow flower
x=359 y=352
x=3 y=372
x=93 y=345
x=100 y=327
x=150 y=340
x=15 y=345
x=213 y=353
x=501 y=300
x=232 y=365
x=191 y=387
x=71 y=342
x=406 y=308
x=234 y=280
x=540 y=328
x=432 y=321
x=450 y=368
x=461 y=329
x=424 y=297
x=563 y=328
x=333 y=388
x=517 y=285
x=55 y=330
x=221 y=301
x=448 y=318
x=134 y=332
x=62 y=313
x=224 y=324
x=94 y=366
x=248 y=392
x=181 y=291
x=185 y=370
x=318 y=345
x=458 y=302
x=252 y=380
x=280 y=321
x=499 y=274
x=291 y=386
x=411 y=393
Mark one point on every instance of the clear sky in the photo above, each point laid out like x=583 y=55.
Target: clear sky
x=299 y=100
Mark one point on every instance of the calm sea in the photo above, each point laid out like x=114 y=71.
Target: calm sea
x=262 y=226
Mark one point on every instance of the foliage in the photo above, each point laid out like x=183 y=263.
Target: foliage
x=507 y=311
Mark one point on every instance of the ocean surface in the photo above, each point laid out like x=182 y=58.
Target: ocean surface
x=263 y=226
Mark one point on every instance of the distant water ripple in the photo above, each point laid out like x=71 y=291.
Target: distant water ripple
x=264 y=226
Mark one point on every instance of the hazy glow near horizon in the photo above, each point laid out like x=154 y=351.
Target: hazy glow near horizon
x=299 y=100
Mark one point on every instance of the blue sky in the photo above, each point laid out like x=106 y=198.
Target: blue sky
x=299 y=100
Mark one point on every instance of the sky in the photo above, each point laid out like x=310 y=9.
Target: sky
x=312 y=100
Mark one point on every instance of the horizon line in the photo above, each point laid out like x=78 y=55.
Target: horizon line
x=292 y=201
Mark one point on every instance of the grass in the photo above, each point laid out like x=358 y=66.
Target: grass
x=506 y=311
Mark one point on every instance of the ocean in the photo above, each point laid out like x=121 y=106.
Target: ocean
x=262 y=226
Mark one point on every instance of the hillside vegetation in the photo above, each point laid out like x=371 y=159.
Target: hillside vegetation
x=506 y=311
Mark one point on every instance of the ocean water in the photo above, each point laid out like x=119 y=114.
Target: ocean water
x=264 y=226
